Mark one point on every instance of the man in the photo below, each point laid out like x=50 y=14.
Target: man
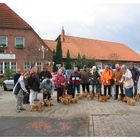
x=17 y=75
x=106 y=78
x=117 y=79
x=75 y=78
x=135 y=77
x=85 y=75
x=45 y=74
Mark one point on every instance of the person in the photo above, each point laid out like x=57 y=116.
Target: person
x=22 y=91
x=47 y=87
x=135 y=77
x=34 y=84
x=117 y=79
x=127 y=81
x=75 y=78
x=17 y=75
x=44 y=74
x=94 y=79
x=60 y=84
x=26 y=98
x=85 y=75
x=106 y=78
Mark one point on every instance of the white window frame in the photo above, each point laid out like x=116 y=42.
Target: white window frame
x=6 y=41
x=10 y=66
x=23 y=42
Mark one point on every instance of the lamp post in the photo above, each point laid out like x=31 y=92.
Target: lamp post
x=42 y=49
x=58 y=66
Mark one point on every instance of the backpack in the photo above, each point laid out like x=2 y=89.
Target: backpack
x=17 y=88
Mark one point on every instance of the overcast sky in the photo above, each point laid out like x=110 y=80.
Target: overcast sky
x=117 y=21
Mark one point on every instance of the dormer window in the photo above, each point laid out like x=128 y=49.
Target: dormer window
x=3 y=41
x=19 y=42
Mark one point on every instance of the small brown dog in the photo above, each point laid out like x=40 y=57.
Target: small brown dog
x=90 y=96
x=74 y=100
x=85 y=94
x=131 y=101
x=137 y=97
x=79 y=96
x=37 y=107
x=47 y=102
x=64 y=100
x=103 y=98
x=121 y=97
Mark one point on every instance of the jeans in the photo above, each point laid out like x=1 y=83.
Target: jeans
x=129 y=92
x=74 y=88
x=19 y=98
x=96 y=88
x=135 y=87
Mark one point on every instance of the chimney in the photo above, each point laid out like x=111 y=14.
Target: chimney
x=62 y=34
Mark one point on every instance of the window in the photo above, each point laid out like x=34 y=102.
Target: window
x=19 y=42
x=3 y=41
x=7 y=65
x=28 y=65
x=1 y=68
x=13 y=66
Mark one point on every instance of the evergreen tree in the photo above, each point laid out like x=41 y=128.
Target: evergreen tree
x=68 y=61
x=59 y=51
x=54 y=60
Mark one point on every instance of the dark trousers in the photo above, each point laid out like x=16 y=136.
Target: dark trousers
x=135 y=87
x=117 y=90
x=59 y=93
x=85 y=86
x=45 y=96
x=109 y=89
x=26 y=99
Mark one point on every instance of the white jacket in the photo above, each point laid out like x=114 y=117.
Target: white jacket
x=127 y=79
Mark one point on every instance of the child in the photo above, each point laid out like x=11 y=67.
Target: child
x=47 y=88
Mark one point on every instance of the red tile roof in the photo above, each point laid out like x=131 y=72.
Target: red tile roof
x=9 y=19
x=95 y=49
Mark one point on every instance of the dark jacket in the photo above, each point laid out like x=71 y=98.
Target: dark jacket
x=75 y=78
x=135 y=74
x=45 y=74
x=94 y=78
x=85 y=75
x=16 y=77
x=34 y=82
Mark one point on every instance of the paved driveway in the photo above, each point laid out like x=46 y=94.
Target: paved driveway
x=91 y=118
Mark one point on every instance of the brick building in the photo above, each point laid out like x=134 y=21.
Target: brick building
x=20 y=46
x=102 y=52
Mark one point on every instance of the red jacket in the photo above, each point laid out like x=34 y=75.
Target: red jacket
x=60 y=81
x=75 y=78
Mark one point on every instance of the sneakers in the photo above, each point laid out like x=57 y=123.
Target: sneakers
x=22 y=109
x=36 y=100
x=18 y=111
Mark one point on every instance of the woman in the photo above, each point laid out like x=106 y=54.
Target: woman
x=127 y=81
x=60 y=84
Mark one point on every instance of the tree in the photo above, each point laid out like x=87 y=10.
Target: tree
x=54 y=60
x=59 y=51
x=68 y=61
